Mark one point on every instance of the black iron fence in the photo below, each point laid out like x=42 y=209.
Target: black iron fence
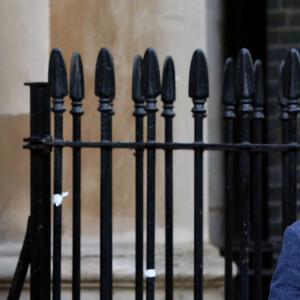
x=245 y=164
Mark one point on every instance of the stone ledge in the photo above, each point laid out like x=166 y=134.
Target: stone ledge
x=124 y=267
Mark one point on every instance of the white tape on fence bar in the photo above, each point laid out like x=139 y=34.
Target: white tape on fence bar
x=58 y=199
x=150 y=273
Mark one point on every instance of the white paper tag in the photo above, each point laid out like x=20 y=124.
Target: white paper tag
x=150 y=273
x=58 y=199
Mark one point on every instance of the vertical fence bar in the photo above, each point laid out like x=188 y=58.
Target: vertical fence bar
x=151 y=89
x=229 y=102
x=22 y=267
x=284 y=116
x=291 y=91
x=257 y=178
x=105 y=89
x=40 y=194
x=58 y=88
x=76 y=94
x=245 y=92
x=39 y=230
x=139 y=114
x=198 y=91
x=168 y=98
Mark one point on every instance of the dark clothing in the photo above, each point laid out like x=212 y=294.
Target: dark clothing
x=286 y=279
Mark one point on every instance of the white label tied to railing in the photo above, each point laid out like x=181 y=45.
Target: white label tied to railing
x=150 y=273
x=58 y=198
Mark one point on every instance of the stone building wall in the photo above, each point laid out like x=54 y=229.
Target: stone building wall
x=24 y=50
x=176 y=28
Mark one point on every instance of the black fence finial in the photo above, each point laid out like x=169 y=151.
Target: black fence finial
x=258 y=99
x=245 y=86
x=281 y=100
x=76 y=84
x=198 y=80
x=151 y=87
x=136 y=79
x=137 y=95
x=57 y=75
x=229 y=95
x=105 y=75
x=291 y=75
x=76 y=78
x=168 y=95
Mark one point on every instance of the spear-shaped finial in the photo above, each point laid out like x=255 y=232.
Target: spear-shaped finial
x=76 y=84
x=105 y=75
x=229 y=95
x=291 y=75
x=244 y=75
x=168 y=95
x=137 y=95
x=57 y=75
x=76 y=78
x=136 y=79
x=198 y=80
x=258 y=99
x=150 y=74
x=281 y=100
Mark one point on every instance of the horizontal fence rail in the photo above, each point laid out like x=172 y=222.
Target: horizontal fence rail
x=43 y=144
x=245 y=152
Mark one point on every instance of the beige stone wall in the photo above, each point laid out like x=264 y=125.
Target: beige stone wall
x=24 y=44
x=127 y=28
x=24 y=50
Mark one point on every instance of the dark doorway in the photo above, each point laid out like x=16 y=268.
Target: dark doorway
x=245 y=27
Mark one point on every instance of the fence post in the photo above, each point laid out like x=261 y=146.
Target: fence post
x=151 y=89
x=257 y=179
x=168 y=97
x=199 y=92
x=105 y=89
x=58 y=88
x=284 y=116
x=40 y=193
x=291 y=91
x=76 y=94
x=245 y=92
x=139 y=114
x=229 y=102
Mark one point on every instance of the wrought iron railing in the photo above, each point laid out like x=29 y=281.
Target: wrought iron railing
x=244 y=146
